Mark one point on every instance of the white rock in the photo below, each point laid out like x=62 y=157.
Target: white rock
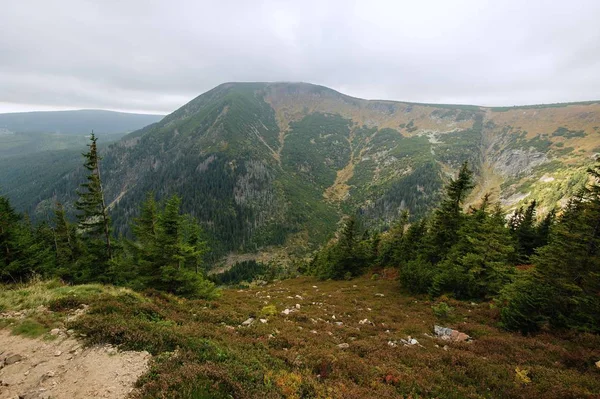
x=55 y=331
x=263 y=321
x=365 y=321
x=248 y=322
x=297 y=306
x=344 y=346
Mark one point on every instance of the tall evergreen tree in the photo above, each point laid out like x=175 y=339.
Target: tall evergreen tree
x=94 y=221
x=524 y=232
x=63 y=237
x=448 y=217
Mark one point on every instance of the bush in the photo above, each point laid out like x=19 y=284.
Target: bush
x=442 y=310
x=417 y=276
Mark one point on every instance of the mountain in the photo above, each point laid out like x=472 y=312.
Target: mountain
x=267 y=164
x=32 y=132
x=78 y=122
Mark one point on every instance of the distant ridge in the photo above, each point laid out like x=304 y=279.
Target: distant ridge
x=77 y=122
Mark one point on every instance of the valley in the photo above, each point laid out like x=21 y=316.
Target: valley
x=259 y=163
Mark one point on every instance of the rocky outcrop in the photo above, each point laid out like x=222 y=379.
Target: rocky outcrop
x=515 y=162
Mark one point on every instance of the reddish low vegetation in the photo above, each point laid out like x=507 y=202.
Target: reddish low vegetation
x=304 y=338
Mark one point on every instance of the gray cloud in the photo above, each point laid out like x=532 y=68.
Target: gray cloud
x=156 y=55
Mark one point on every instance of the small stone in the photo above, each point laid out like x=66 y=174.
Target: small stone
x=12 y=359
x=598 y=364
x=339 y=323
x=111 y=351
x=344 y=346
x=57 y=353
x=392 y=344
x=299 y=297
x=55 y=331
x=248 y=322
x=297 y=306
x=263 y=321
x=364 y=321
x=413 y=341
x=445 y=347
x=379 y=295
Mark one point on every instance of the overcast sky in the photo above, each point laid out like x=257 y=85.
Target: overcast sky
x=154 y=56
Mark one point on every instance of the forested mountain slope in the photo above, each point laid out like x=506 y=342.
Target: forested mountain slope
x=264 y=164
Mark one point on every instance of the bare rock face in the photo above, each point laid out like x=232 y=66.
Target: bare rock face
x=517 y=161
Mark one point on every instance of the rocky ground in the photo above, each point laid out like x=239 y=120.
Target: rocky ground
x=58 y=366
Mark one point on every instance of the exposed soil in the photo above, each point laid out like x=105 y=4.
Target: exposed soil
x=63 y=369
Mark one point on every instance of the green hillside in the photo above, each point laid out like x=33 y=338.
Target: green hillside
x=265 y=165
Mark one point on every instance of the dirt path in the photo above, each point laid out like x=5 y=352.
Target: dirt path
x=63 y=369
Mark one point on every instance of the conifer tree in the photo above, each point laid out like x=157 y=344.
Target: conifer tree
x=8 y=222
x=168 y=250
x=94 y=222
x=524 y=232
x=563 y=288
x=448 y=217
x=63 y=239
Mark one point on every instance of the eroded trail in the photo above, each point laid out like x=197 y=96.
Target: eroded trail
x=63 y=369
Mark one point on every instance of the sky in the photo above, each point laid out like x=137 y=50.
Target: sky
x=154 y=56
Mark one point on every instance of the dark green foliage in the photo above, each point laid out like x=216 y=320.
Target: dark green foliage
x=563 y=288
x=466 y=255
x=448 y=218
x=167 y=253
x=568 y=134
x=524 y=232
x=245 y=271
x=94 y=222
x=347 y=256
x=24 y=250
x=477 y=266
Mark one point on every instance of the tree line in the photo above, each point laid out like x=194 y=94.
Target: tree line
x=166 y=252
x=540 y=272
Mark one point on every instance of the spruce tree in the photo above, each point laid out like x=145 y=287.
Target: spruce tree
x=477 y=266
x=523 y=230
x=94 y=222
x=448 y=217
x=63 y=238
